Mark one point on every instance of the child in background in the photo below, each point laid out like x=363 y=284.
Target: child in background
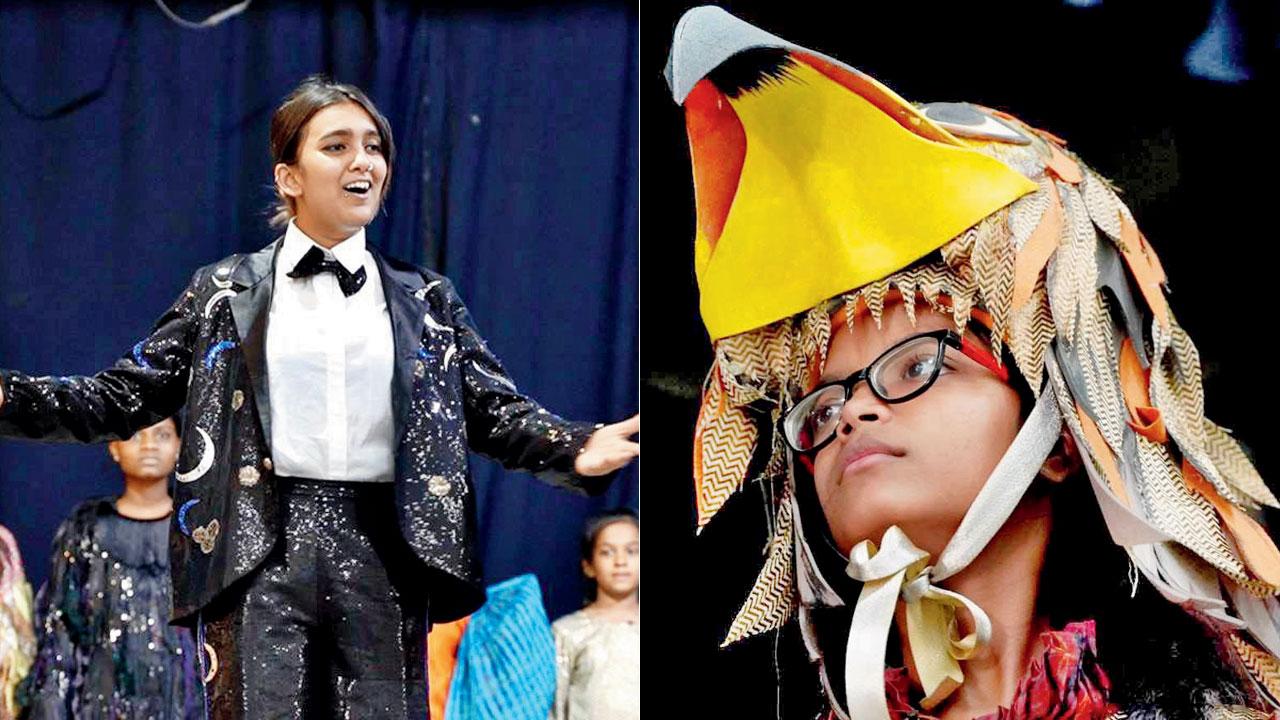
x=105 y=647
x=598 y=647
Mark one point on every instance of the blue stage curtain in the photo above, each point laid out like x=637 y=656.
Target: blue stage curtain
x=138 y=152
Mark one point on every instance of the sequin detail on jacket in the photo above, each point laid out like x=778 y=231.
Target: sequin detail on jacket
x=449 y=392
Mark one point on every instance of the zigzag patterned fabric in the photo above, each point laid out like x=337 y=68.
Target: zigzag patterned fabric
x=1021 y=236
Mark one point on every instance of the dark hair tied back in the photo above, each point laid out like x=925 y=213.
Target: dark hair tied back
x=314 y=94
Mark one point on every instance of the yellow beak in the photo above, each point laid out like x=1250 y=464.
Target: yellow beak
x=811 y=178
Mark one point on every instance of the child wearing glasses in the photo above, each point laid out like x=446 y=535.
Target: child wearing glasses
x=994 y=490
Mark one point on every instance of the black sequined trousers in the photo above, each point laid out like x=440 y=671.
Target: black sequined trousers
x=333 y=625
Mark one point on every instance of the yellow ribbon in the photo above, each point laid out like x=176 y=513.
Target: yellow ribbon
x=900 y=569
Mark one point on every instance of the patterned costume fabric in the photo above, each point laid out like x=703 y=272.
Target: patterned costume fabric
x=506 y=662
x=1065 y=681
x=597 y=668
x=105 y=645
x=17 y=639
x=976 y=215
x=449 y=393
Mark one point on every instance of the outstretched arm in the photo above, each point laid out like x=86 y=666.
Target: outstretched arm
x=145 y=386
x=515 y=430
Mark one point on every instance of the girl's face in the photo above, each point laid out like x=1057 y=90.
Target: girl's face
x=150 y=454
x=615 y=561
x=917 y=464
x=336 y=183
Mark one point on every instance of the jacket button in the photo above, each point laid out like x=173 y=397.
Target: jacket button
x=237 y=399
x=249 y=476
x=419 y=369
x=266 y=463
x=438 y=485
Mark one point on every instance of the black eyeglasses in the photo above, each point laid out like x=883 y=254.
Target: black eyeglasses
x=901 y=373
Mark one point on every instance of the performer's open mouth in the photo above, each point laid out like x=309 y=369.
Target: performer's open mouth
x=359 y=187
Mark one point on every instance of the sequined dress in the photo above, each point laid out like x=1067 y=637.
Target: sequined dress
x=597 y=668
x=105 y=646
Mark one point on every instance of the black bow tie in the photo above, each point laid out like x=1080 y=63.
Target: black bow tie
x=315 y=262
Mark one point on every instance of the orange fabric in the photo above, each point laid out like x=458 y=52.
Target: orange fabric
x=1099 y=449
x=704 y=416
x=706 y=413
x=442 y=657
x=1050 y=137
x=1143 y=418
x=1257 y=550
x=718 y=145
x=1146 y=270
x=1000 y=113
x=1036 y=252
x=1064 y=167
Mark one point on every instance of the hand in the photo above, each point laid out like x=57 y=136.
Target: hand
x=609 y=448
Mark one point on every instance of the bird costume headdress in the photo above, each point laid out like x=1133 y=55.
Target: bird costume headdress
x=818 y=190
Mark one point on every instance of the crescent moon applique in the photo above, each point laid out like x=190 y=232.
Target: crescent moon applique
x=182 y=516
x=212 y=656
x=211 y=356
x=431 y=323
x=206 y=460
x=449 y=354
x=493 y=376
x=421 y=293
x=138 y=358
x=205 y=535
x=213 y=300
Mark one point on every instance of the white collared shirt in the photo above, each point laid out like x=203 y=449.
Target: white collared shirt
x=329 y=368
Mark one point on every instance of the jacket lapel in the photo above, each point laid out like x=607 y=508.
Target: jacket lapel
x=406 y=310
x=250 y=308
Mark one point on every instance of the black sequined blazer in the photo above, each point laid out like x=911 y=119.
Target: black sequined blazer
x=208 y=352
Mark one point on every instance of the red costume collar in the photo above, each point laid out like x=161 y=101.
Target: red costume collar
x=1065 y=682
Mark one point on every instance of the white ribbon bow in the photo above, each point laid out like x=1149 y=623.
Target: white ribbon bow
x=899 y=568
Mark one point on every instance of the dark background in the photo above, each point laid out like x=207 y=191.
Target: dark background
x=1186 y=135
x=137 y=151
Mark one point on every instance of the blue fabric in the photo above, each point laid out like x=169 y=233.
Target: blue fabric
x=141 y=153
x=506 y=668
